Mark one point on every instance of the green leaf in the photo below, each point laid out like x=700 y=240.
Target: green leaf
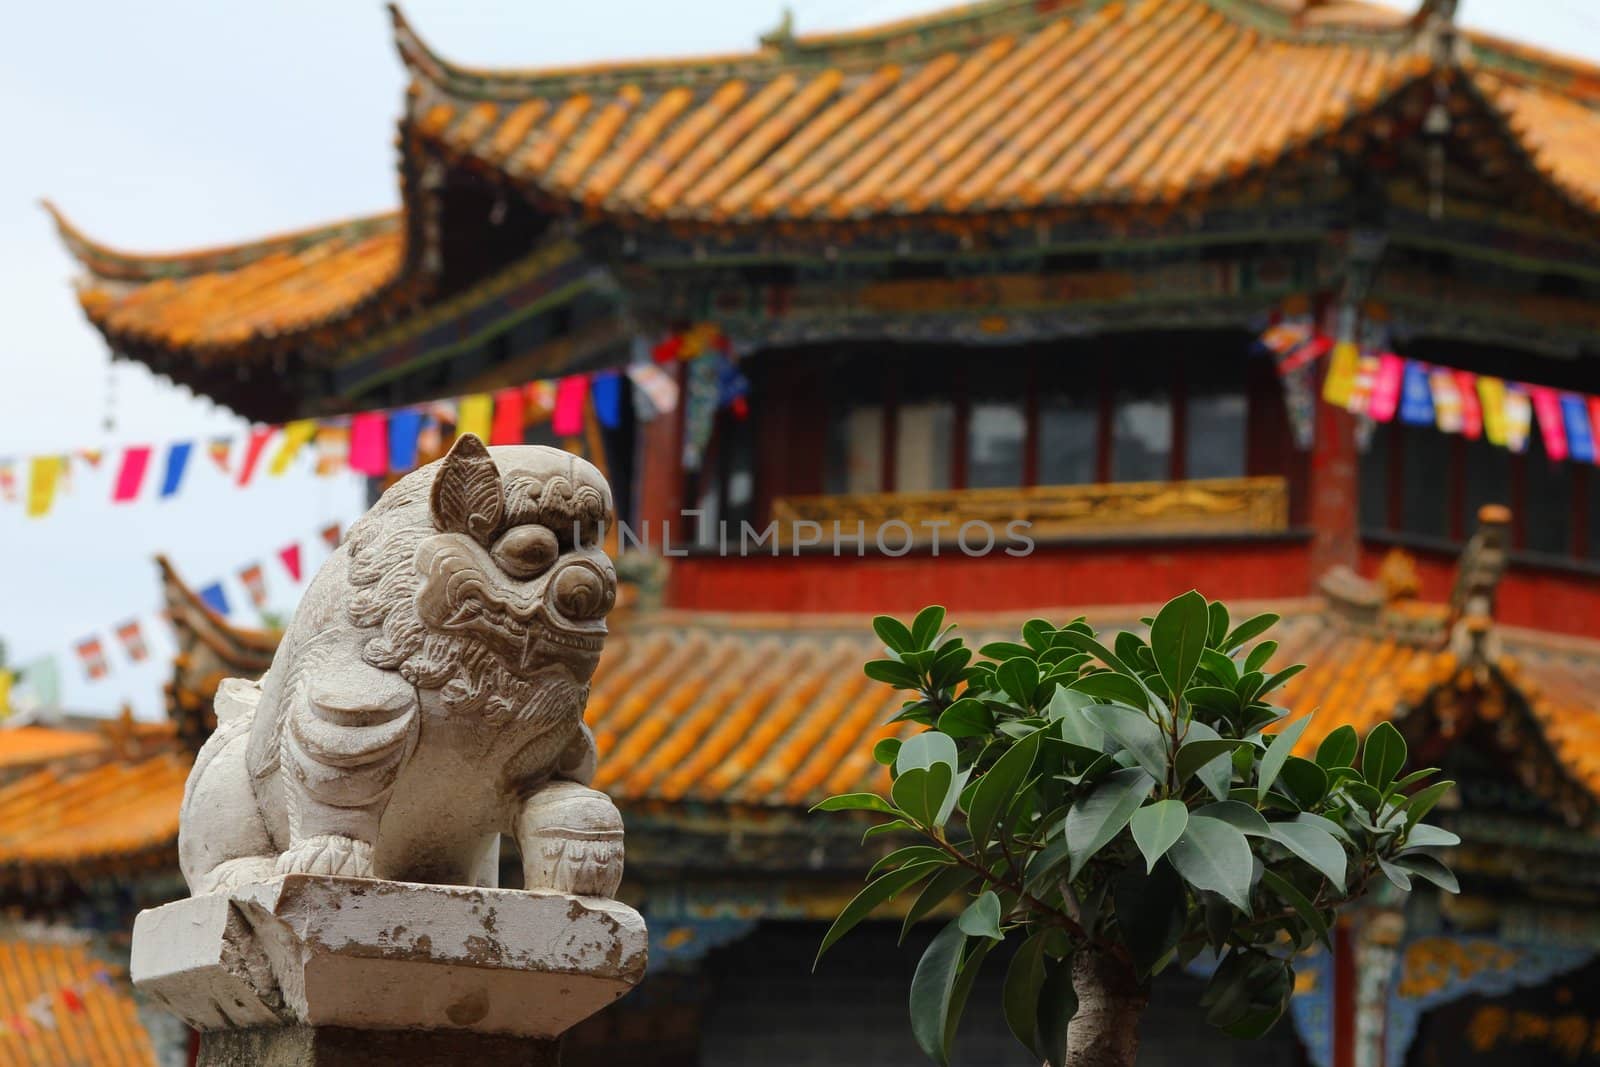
x=1038 y=632
x=1085 y=643
x=1426 y=867
x=982 y=917
x=1217 y=613
x=1213 y=855
x=857 y=802
x=1239 y=815
x=1214 y=698
x=1363 y=794
x=920 y=792
x=1338 y=749
x=940 y=887
x=1314 y=845
x=1278 y=750
x=1151 y=911
x=1422 y=801
x=1276 y=680
x=901 y=857
x=1112 y=687
x=1220 y=667
x=1018 y=678
x=1412 y=779
x=1307 y=782
x=998 y=785
x=892 y=632
x=1424 y=836
x=925 y=627
x=1297 y=900
x=924 y=750
x=932 y=986
x=1058 y=1003
x=1383 y=756
x=1258 y=657
x=1177 y=637
x=1216 y=774
x=1156 y=827
x=1248 y=630
x=893 y=672
x=1100 y=816
x=1000 y=651
x=886 y=750
x=965 y=979
x=1020 y=995
x=875 y=893
x=895 y=827
x=1192 y=755
x=1398 y=875
x=1134 y=732
x=966 y=718
x=1324 y=824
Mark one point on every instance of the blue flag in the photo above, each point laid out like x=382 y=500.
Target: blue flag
x=1580 y=435
x=605 y=392
x=1416 y=398
x=177 y=463
x=405 y=425
x=215 y=598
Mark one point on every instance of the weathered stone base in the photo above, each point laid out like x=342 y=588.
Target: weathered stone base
x=333 y=1046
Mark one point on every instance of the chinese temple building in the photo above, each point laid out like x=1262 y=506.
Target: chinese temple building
x=1149 y=286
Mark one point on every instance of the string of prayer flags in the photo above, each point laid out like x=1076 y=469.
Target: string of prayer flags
x=405 y=428
x=1580 y=432
x=132 y=637
x=289 y=555
x=177 y=464
x=130 y=475
x=475 y=415
x=44 y=473
x=508 y=421
x=215 y=598
x=1547 y=406
x=257 y=444
x=296 y=435
x=93 y=656
x=571 y=395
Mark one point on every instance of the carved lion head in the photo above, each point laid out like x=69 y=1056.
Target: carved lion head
x=486 y=575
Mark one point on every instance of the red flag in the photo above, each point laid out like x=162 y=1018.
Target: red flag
x=256 y=583
x=132 y=638
x=571 y=394
x=290 y=555
x=1471 y=407
x=259 y=436
x=130 y=476
x=507 y=428
x=70 y=998
x=331 y=534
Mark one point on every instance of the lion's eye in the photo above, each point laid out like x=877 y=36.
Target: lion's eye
x=526 y=551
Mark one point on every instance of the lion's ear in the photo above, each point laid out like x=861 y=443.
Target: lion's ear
x=467 y=497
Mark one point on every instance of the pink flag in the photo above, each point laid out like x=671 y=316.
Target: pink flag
x=259 y=436
x=1547 y=407
x=369 y=444
x=1594 y=418
x=1471 y=411
x=290 y=555
x=1385 y=399
x=130 y=476
x=571 y=393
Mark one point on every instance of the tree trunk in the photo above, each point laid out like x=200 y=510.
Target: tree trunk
x=1105 y=1032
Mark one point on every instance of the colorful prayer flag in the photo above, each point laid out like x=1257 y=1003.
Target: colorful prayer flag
x=540 y=398
x=220 y=449
x=290 y=555
x=44 y=472
x=508 y=425
x=369 y=444
x=177 y=463
x=93 y=657
x=1341 y=379
x=1366 y=380
x=8 y=480
x=133 y=643
x=92 y=456
x=1547 y=406
x=475 y=416
x=333 y=448
x=1471 y=410
x=215 y=598
x=605 y=391
x=1580 y=433
x=1446 y=400
x=1518 y=417
x=130 y=476
x=259 y=436
x=255 y=583
x=1416 y=400
x=331 y=534
x=1385 y=399
x=6 y=679
x=1492 y=398
x=571 y=394
x=657 y=390
x=296 y=435
x=405 y=426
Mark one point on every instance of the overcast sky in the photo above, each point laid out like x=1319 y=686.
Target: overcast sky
x=172 y=124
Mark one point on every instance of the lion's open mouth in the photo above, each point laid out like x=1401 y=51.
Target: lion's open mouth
x=524 y=642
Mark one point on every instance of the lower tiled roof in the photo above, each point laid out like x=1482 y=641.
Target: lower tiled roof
x=62 y=819
x=29 y=746
x=59 y=1006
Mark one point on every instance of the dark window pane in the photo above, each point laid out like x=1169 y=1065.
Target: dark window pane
x=1488 y=480
x=1069 y=430
x=1547 y=498
x=1375 y=480
x=855 y=426
x=1426 y=508
x=1141 y=435
x=996 y=432
x=922 y=446
x=1215 y=433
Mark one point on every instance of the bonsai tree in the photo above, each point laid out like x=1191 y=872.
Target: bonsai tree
x=1116 y=812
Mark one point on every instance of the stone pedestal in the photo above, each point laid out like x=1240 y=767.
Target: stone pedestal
x=310 y=969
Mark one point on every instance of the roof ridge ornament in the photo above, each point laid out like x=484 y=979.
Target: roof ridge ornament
x=1483 y=562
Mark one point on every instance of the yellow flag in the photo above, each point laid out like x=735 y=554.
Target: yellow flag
x=1492 y=399
x=43 y=474
x=295 y=437
x=476 y=415
x=1342 y=368
x=6 y=678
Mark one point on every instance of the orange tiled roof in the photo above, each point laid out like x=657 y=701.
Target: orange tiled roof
x=27 y=746
x=93 y=1022
x=224 y=297
x=60 y=818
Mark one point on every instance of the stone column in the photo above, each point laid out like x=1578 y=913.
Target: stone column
x=315 y=969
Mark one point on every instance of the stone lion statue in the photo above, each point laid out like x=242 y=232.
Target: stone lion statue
x=428 y=695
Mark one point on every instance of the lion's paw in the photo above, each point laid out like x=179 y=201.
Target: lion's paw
x=583 y=864
x=328 y=854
